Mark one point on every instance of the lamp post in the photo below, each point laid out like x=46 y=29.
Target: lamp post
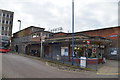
x=19 y=36
x=41 y=45
x=72 y=32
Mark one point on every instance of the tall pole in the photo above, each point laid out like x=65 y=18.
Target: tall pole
x=41 y=46
x=72 y=32
x=19 y=36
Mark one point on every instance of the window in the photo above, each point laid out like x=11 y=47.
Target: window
x=3 y=21
x=9 y=28
x=64 y=51
x=47 y=35
x=3 y=14
x=37 y=35
x=7 y=15
x=6 y=22
x=6 y=28
x=6 y=34
x=9 y=34
x=2 y=33
x=2 y=28
x=10 y=22
x=11 y=16
x=34 y=35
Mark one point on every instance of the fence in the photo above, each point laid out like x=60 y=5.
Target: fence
x=92 y=64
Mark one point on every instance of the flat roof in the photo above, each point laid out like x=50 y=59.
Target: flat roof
x=98 y=29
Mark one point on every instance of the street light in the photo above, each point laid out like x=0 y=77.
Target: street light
x=19 y=24
x=41 y=45
x=19 y=36
x=72 y=32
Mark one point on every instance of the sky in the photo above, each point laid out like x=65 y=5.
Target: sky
x=50 y=14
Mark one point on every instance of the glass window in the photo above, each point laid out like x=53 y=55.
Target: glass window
x=9 y=35
x=2 y=33
x=2 y=28
x=6 y=22
x=39 y=34
x=11 y=16
x=3 y=14
x=3 y=21
x=10 y=22
x=6 y=28
x=7 y=15
x=66 y=50
x=78 y=52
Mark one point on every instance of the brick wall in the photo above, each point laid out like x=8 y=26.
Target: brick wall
x=107 y=32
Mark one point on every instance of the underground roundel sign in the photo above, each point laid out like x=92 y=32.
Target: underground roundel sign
x=94 y=50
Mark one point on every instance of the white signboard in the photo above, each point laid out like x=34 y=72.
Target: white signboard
x=64 y=51
x=83 y=62
x=114 y=52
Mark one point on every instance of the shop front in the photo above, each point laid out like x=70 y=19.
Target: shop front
x=93 y=53
x=92 y=49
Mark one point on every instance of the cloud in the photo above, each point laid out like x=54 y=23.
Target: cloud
x=89 y=14
x=97 y=15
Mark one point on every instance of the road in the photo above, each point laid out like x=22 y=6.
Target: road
x=16 y=66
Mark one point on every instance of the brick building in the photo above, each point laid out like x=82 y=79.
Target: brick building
x=30 y=41
x=112 y=33
x=36 y=44
x=59 y=46
x=22 y=39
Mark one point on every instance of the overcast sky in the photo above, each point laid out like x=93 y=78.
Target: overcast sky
x=49 y=14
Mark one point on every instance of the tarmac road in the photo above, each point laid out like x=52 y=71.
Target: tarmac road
x=15 y=66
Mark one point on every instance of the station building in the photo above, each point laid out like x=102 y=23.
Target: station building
x=22 y=40
x=112 y=33
x=92 y=44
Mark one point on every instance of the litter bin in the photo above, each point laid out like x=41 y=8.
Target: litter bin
x=83 y=62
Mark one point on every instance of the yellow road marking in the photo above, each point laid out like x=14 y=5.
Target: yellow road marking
x=108 y=73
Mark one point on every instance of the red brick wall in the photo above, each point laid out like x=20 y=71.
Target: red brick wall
x=103 y=32
x=59 y=34
x=106 y=33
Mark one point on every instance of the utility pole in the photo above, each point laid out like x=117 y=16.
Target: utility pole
x=19 y=36
x=72 y=32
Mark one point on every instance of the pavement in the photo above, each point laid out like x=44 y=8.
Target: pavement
x=109 y=68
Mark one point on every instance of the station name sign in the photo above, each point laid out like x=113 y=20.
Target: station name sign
x=59 y=29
